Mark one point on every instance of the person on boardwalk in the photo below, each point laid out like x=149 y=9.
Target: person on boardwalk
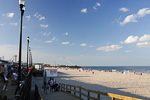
x=45 y=85
x=51 y=83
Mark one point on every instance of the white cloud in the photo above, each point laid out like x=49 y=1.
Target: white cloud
x=54 y=38
x=84 y=10
x=134 y=17
x=91 y=46
x=94 y=8
x=83 y=44
x=42 y=18
x=28 y=17
x=128 y=19
x=48 y=41
x=124 y=9
x=46 y=34
x=1 y=24
x=109 y=48
x=66 y=33
x=117 y=20
x=37 y=40
x=131 y=39
x=143 y=44
x=96 y=5
x=65 y=42
x=146 y=37
x=10 y=15
x=128 y=51
x=143 y=12
x=14 y=24
x=72 y=44
x=39 y=16
x=45 y=26
x=36 y=14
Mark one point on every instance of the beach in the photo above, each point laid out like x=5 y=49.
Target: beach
x=133 y=85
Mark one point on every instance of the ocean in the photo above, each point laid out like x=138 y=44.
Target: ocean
x=139 y=69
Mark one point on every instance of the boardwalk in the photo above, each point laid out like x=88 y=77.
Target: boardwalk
x=51 y=95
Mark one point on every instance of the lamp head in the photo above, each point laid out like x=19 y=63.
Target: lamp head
x=21 y=2
x=23 y=8
x=28 y=38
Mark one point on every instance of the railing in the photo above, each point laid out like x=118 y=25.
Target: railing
x=1 y=90
x=73 y=90
x=24 y=92
x=1 y=87
x=37 y=93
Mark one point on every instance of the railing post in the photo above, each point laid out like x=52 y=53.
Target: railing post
x=113 y=98
x=80 y=91
x=74 y=90
x=60 y=86
x=66 y=87
x=98 y=96
x=88 y=95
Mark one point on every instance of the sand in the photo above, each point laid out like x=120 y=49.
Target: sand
x=130 y=84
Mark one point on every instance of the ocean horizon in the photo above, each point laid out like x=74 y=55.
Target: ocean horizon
x=139 y=69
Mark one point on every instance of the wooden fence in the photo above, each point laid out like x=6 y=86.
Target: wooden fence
x=73 y=90
x=37 y=93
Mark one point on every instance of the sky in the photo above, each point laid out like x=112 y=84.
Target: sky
x=78 y=32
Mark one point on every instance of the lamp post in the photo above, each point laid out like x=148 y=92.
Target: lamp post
x=22 y=9
x=28 y=40
x=29 y=56
x=31 y=59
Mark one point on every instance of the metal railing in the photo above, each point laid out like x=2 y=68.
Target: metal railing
x=73 y=90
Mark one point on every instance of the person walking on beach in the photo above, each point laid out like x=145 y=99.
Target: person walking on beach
x=45 y=85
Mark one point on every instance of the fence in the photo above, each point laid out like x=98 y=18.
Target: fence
x=73 y=89
x=37 y=93
x=24 y=91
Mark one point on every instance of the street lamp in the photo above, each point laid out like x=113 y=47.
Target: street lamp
x=22 y=9
x=28 y=40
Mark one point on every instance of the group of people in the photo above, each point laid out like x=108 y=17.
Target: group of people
x=51 y=83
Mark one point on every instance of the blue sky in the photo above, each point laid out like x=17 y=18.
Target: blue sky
x=78 y=32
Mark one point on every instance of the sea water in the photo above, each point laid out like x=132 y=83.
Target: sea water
x=139 y=69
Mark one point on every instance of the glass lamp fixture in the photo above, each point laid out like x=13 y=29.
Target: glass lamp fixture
x=21 y=2
x=23 y=8
x=28 y=38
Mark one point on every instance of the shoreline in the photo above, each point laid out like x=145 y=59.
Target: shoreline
x=138 y=69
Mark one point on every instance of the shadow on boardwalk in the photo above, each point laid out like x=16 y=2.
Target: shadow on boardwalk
x=50 y=95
